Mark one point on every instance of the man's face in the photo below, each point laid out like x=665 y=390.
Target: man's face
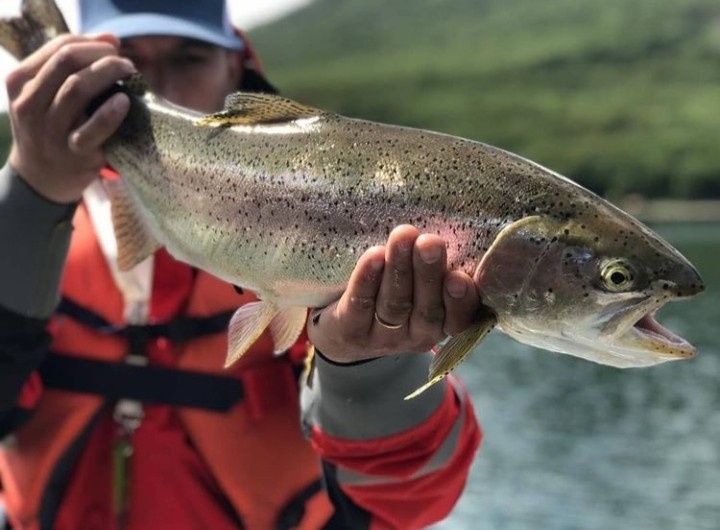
x=187 y=72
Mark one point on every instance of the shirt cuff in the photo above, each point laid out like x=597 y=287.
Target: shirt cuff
x=35 y=235
x=363 y=401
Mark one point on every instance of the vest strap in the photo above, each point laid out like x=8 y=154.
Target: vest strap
x=179 y=329
x=149 y=384
x=291 y=515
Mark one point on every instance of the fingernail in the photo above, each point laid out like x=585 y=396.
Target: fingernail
x=376 y=264
x=456 y=287
x=430 y=254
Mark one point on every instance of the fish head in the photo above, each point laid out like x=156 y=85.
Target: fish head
x=588 y=286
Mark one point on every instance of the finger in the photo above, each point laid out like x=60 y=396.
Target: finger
x=461 y=301
x=80 y=89
x=429 y=265
x=101 y=125
x=28 y=67
x=356 y=307
x=395 y=299
x=68 y=60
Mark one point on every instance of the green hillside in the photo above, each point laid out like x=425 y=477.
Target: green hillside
x=622 y=95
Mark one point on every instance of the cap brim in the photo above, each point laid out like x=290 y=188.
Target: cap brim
x=147 y=24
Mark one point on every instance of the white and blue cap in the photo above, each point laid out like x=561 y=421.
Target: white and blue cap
x=204 y=20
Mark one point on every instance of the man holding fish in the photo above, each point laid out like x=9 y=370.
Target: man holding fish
x=113 y=402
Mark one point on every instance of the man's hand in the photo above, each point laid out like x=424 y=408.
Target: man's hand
x=404 y=285
x=56 y=146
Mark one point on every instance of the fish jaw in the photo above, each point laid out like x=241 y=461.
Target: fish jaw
x=637 y=333
x=648 y=335
x=622 y=338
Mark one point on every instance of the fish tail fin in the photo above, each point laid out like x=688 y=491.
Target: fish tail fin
x=39 y=22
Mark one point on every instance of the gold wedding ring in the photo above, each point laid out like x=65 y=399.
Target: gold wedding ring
x=385 y=324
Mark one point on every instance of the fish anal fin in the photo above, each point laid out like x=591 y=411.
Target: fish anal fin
x=454 y=351
x=135 y=243
x=246 y=326
x=286 y=327
x=243 y=108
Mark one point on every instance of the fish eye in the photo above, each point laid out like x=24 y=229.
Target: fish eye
x=617 y=276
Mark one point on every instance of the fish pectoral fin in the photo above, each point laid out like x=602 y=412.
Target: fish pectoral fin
x=246 y=326
x=243 y=108
x=135 y=243
x=286 y=327
x=455 y=351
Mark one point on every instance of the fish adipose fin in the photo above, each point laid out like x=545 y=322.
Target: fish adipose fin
x=246 y=326
x=40 y=21
x=454 y=351
x=134 y=241
x=242 y=108
x=286 y=327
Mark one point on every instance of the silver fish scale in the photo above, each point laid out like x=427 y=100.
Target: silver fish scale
x=286 y=209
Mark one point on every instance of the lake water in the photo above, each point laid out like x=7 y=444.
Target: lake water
x=573 y=445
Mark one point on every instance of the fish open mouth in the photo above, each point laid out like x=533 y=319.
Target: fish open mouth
x=654 y=336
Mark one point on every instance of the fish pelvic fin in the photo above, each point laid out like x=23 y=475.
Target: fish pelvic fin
x=39 y=22
x=243 y=108
x=286 y=327
x=135 y=243
x=246 y=326
x=454 y=351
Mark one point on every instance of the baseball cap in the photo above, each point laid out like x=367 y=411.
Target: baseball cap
x=204 y=20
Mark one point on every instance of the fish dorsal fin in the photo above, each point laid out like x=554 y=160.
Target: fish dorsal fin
x=244 y=108
x=134 y=241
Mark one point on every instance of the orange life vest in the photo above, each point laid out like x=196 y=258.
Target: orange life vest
x=260 y=460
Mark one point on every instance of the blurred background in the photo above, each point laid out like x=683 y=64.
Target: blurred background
x=622 y=96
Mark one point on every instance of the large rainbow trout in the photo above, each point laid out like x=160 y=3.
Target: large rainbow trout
x=282 y=199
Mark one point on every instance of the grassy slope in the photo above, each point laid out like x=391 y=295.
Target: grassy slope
x=621 y=95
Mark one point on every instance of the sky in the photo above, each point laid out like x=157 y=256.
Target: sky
x=245 y=14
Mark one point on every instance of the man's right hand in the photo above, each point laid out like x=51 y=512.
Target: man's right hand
x=56 y=145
